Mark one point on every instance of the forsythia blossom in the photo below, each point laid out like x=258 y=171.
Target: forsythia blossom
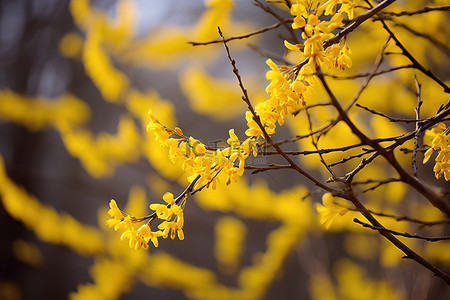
x=286 y=90
x=288 y=85
x=441 y=142
x=139 y=238
x=201 y=161
x=330 y=208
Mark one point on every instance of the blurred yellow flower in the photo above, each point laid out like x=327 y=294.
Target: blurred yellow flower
x=330 y=208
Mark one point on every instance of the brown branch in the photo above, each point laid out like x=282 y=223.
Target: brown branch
x=244 y=36
x=391 y=119
x=369 y=74
x=409 y=219
x=438 y=44
x=396 y=242
x=416 y=136
x=256 y=118
x=416 y=12
x=177 y=201
x=388 y=154
x=416 y=64
x=366 y=82
x=267 y=54
x=268 y=168
x=356 y=22
x=346 y=159
x=408 y=235
x=279 y=18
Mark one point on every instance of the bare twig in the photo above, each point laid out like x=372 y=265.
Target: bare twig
x=244 y=36
x=396 y=242
x=346 y=159
x=416 y=136
x=356 y=22
x=412 y=220
x=408 y=235
x=369 y=74
x=279 y=18
x=268 y=168
x=391 y=119
x=416 y=64
x=416 y=12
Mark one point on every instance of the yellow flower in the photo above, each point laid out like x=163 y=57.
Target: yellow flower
x=330 y=7
x=118 y=220
x=137 y=241
x=126 y=223
x=114 y=210
x=299 y=13
x=344 y=59
x=149 y=235
x=161 y=132
x=441 y=142
x=165 y=212
x=173 y=228
x=253 y=127
x=330 y=209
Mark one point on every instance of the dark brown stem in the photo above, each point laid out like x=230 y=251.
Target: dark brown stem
x=405 y=234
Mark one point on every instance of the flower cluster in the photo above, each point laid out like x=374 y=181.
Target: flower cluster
x=209 y=166
x=138 y=238
x=441 y=141
x=171 y=214
x=167 y=213
x=201 y=161
x=288 y=85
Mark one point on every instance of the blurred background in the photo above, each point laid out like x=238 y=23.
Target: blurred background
x=76 y=81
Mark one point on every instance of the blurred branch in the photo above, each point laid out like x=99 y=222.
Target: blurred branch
x=279 y=18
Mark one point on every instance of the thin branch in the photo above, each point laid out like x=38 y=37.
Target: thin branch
x=416 y=64
x=346 y=159
x=396 y=242
x=409 y=219
x=356 y=22
x=391 y=119
x=279 y=18
x=269 y=168
x=438 y=44
x=244 y=36
x=177 y=200
x=408 y=235
x=261 y=126
x=388 y=153
x=366 y=82
x=267 y=54
x=416 y=136
x=416 y=12
x=369 y=74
